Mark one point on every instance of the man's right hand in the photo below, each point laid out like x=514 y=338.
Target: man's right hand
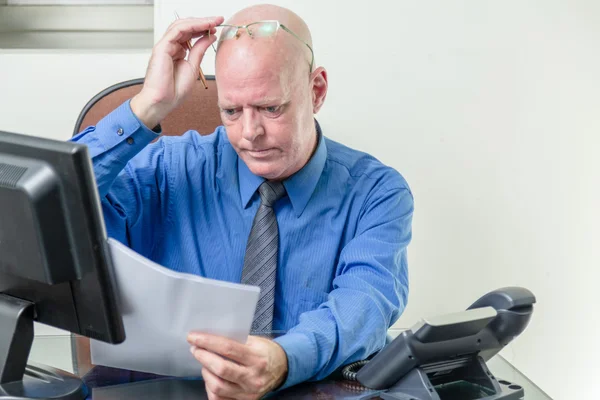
x=170 y=77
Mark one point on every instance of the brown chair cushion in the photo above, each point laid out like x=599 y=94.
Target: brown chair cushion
x=198 y=112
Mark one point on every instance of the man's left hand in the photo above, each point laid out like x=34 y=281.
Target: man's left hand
x=240 y=371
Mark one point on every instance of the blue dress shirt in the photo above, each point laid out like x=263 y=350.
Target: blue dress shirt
x=187 y=202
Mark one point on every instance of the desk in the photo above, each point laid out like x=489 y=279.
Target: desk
x=55 y=351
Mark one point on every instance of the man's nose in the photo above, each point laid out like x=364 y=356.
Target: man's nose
x=252 y=126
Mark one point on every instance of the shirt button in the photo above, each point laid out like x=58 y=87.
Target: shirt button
x=130 y=140
x=120 y=131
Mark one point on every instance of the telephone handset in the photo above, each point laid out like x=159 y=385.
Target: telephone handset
x=448 y=353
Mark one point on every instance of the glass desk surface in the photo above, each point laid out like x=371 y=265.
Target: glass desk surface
x=109 y=383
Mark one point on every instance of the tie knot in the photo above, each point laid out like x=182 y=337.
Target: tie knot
x=270 y=192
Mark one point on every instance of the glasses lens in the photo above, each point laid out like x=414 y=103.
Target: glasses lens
x=263 y=29
x=226 y=32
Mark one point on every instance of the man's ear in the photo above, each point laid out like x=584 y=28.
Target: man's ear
x=319 y=88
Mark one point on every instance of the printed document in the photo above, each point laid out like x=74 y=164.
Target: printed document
x=160 y=306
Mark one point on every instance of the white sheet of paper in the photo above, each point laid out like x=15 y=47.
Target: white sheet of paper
x=160 y=306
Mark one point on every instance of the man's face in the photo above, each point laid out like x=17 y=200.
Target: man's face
x=266 y=109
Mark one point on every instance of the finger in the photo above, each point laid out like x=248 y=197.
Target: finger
x=220 y=387
x=174 y=49
x=184 y=29
x=224 y=347
x=186 y=44
x=199 y=49
x=222 y=368
x=186 y=39
x=179 y=54
x=180 y=21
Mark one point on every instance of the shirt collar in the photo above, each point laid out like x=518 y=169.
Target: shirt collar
x=299 y=186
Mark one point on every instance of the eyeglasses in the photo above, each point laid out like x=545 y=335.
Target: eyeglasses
x=258 y=29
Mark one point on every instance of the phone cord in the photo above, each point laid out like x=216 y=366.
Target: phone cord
x=349 y=372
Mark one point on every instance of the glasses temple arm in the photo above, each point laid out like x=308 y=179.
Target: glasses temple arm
x=306 y=44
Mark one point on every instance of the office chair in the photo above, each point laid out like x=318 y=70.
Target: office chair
x=198 y=112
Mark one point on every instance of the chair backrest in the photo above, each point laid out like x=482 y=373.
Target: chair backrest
x=199 y=111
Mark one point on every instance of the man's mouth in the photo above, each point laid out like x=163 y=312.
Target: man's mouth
x=260 y=153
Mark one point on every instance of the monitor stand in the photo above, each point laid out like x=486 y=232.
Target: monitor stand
x=19 y=381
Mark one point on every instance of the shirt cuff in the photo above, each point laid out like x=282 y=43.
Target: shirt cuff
x=301 y=355
x=121 y=132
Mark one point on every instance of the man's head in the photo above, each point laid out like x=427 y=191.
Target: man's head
x=268 y=95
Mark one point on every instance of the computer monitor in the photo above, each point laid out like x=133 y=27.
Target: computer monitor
x=55 y=267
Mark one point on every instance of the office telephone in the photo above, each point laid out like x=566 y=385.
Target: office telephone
x=444 y=357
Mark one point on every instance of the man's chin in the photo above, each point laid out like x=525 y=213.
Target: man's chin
x=268 y=170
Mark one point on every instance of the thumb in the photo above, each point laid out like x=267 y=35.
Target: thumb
x=198 y=49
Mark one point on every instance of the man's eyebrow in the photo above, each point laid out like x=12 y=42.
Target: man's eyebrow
x=271 y=101
x=225 y=104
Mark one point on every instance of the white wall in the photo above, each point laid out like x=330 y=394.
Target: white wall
x=490 y=110
x=43 y=92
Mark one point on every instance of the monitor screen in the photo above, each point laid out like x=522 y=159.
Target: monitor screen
x=53 y=249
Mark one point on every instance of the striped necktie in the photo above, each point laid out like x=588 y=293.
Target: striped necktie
x=260 y=261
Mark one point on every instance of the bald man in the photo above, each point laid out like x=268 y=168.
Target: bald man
x=266 y=199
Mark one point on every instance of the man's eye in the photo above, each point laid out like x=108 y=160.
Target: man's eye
x=272 y=109
x=229 y=111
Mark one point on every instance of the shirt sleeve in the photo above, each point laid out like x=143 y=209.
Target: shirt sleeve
x=130 y=175
x=369 y=294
